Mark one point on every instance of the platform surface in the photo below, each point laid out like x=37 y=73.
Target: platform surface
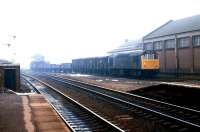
x=29 y=113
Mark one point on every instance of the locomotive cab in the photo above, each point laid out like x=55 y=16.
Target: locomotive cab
x=150 y=61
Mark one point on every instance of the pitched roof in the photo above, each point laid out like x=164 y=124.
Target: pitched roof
x=128 y=47
x=177 y=26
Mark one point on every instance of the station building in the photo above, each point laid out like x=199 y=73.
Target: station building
x=177 y=44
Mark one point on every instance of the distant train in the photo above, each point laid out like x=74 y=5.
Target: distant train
x=140 y=64
x=42 y=66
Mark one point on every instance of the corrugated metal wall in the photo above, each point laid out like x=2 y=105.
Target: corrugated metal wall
x=197 y=59
x=185 y=60
x=170 y=61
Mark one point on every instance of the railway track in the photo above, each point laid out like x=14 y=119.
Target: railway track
x=75 y=115
x=190 y=115
x=180 y=118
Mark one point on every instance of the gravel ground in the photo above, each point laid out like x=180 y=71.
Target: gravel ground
x=125 y=84
x=121 y=84
x=24 y=88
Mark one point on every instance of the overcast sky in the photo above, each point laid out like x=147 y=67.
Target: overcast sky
x=65 y=29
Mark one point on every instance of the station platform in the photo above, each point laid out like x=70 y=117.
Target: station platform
x=28 y=113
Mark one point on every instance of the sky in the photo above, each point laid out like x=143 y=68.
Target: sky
x=62 y=30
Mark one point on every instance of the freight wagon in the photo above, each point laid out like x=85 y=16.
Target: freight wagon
x=95 y=65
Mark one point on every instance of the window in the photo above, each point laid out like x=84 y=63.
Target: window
x=196 y=40
x=148 y=46
x=169 y=44
x=183 y=42
x=158 y=45
x=150 y=56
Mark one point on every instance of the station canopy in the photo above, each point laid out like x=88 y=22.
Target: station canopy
x=5 y=61
x=132 y=47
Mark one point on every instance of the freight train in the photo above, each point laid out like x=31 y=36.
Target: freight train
x=139 y=64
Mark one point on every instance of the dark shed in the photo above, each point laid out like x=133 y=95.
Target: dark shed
x=9 y=76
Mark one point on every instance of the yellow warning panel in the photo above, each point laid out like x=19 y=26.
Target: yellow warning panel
x=150 y=64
